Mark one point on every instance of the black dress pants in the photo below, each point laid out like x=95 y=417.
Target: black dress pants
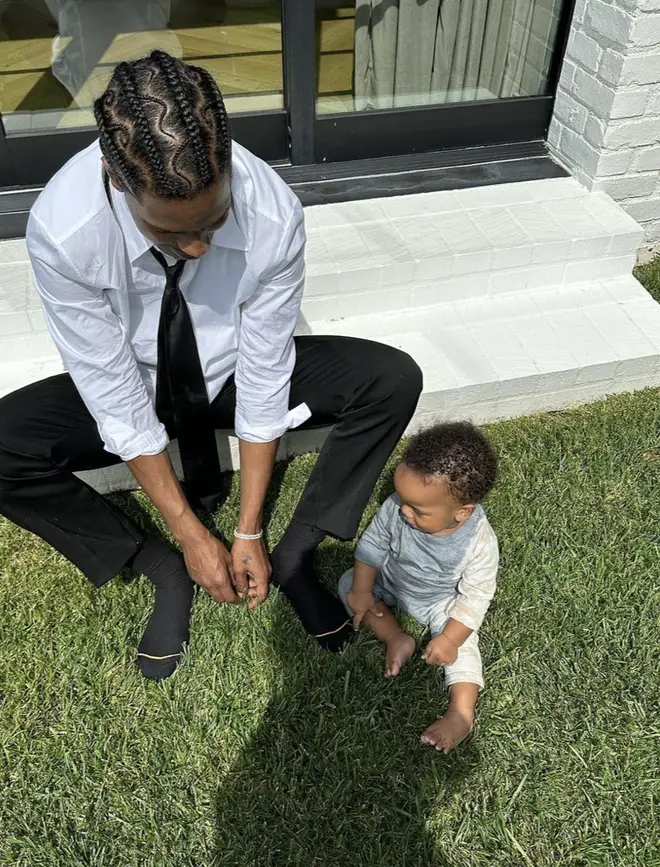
x=366 y=391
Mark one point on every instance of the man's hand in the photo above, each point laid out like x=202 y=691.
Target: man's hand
x=207 y=560
x=362 y=603
x=209 y=564
x=440 y=651
x=251 y=569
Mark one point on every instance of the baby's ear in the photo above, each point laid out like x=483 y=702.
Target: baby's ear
x=464 y=513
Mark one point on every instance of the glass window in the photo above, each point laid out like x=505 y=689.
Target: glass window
x=56 y=55
x=382 y=54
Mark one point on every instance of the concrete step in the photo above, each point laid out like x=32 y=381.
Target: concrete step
x=522 y=352
x=494 y=358
x=383 y=255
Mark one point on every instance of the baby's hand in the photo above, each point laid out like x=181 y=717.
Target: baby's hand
x=440 y=651
x=361 y=603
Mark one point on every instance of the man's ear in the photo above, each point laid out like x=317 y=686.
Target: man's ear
x=117 y=184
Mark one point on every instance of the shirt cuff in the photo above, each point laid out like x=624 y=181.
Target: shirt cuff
x=267 y=433
x=125 y=442
x=465 y=615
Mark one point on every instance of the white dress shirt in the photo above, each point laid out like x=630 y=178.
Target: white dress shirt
x=102 y=291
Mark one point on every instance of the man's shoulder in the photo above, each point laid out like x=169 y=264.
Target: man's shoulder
x=260 y=194
x=72 y=204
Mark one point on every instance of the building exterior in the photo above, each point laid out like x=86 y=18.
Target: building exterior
x=479 y=177
x=606 y=124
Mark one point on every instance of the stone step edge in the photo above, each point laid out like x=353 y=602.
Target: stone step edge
x=295 y=443
x=480 y=402
x=425 y=288
x=445 y=230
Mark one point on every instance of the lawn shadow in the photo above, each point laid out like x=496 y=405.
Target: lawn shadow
x=335 y=775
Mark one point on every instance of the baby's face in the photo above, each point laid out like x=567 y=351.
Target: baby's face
x=428 y=505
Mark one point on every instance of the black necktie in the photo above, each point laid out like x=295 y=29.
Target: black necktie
x=182 y=401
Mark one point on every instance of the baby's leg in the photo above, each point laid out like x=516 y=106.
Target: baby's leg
x=464 y=680
x=399 y=645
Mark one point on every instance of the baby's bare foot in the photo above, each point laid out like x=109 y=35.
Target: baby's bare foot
x=448 y=731
x=399 y=650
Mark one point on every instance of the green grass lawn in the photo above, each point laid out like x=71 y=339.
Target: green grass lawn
x=264 y=751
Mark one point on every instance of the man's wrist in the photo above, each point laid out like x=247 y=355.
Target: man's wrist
x=250 y=525
x=187 y=529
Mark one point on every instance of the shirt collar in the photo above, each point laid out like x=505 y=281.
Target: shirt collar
x=229 y=235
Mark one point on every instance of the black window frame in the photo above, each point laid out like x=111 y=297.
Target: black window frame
x=297 y=136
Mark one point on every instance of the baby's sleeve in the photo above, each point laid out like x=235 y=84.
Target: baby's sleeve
x=374 y=546
x=476 y=586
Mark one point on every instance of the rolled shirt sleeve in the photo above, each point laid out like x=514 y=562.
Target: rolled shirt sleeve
x=94 y=348
x=373 y=549
x=476 y=586
x=266 y=349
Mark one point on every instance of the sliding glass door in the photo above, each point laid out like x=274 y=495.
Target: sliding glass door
x=419 y=75
x=305 y=82
x=56 y=57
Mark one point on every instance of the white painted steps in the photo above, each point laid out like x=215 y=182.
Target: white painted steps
x=522 y=352
x=389 y=254
x=513 y=299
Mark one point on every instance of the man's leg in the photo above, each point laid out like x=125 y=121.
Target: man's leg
x=47 y=434
x=368 y=393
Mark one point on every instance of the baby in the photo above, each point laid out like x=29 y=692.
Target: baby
x=431 y=551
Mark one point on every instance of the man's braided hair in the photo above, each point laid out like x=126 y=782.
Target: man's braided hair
x=164 y=127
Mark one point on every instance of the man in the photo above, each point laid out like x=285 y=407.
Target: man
x=171 y=267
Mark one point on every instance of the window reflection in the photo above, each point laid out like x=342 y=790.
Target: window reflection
x=395 y=53
x=56 y=56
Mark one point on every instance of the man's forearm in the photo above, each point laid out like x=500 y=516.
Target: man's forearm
x=257 y=462
x=155 y=475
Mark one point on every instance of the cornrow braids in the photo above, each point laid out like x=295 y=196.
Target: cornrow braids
x=163 y=127
x=457 y=452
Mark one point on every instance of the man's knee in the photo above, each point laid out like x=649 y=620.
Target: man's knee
x=400 y=378
x=16 y=460
x=9 y=428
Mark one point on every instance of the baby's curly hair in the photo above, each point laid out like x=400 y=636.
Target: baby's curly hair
x=459 y=453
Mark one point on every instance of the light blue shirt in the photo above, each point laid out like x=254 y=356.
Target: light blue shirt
x=421 y=570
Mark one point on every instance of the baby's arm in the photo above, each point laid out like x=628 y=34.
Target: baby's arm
x=476 y=586
x=475 y=591
x=370 y=555
x=360 y=597
x=443 y=649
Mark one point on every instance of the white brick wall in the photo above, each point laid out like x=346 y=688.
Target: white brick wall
x=606 y=126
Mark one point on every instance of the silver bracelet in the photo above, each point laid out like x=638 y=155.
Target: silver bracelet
x=248 y=537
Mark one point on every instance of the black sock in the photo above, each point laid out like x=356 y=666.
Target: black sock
x=167 y=631
x=321 y=614
x=298 y=541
